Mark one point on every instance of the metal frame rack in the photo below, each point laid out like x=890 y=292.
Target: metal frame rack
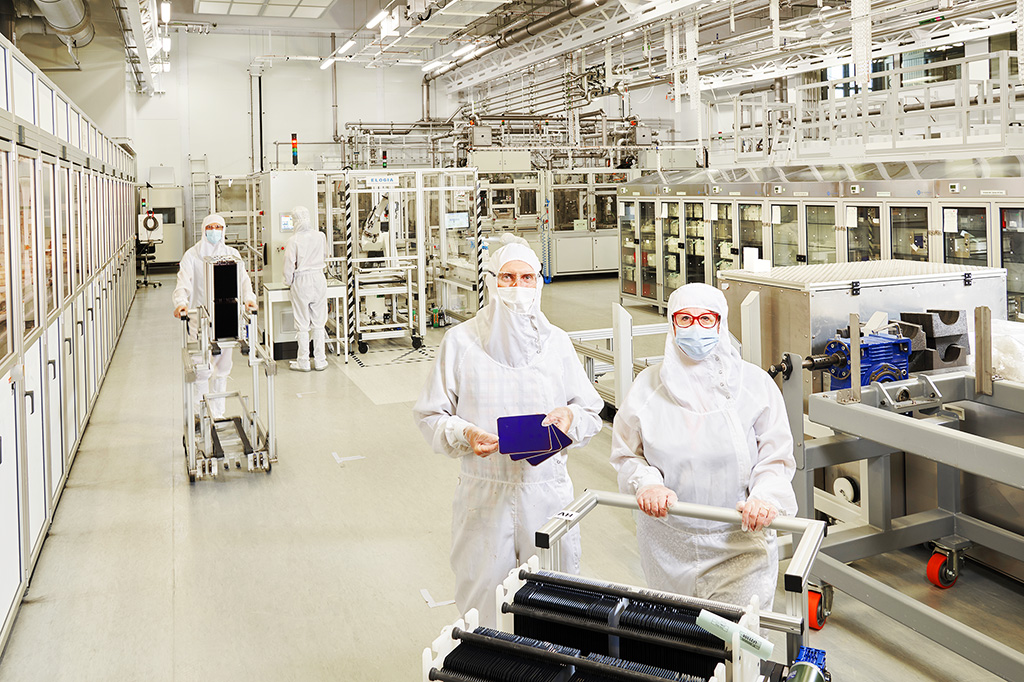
x=254 y=429
x=743 y=667
x=918 y=416
x=938 y=212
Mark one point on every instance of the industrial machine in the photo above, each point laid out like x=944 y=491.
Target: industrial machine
x=150 y=234
x=551 y=624
x=220 y=325
x=167 y=205
x=944 y=466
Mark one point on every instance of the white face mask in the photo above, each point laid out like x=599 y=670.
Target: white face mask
x=518 y=299
x=214 y=236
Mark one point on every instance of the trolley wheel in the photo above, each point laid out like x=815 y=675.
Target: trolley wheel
x=362 y=347
x=816 y=617
x=940 y=572
x=417 y=342
x=191 y=474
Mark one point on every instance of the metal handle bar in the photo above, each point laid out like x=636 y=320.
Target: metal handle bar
x=812 y=532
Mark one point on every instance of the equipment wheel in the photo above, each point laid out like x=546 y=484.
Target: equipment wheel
x=940 y=571
x=362 y=347
x=191 y=474
x=417 y=342
x=816 y=616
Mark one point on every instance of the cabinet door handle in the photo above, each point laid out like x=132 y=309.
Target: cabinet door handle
x=81 y=327
x=53 y=366
x=91 y=316
x=71 y=346
x=31 y=396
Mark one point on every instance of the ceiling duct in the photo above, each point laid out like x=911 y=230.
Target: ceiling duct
x=511 y=37
x=69 y=19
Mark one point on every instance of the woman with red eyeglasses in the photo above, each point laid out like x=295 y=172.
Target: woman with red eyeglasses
x=706 y=427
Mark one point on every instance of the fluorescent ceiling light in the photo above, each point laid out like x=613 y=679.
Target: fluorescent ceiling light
x=377 y=19
x=431 y=66
x=165 y=12
x=167 y=67
x=326 y=63
x=346 y=47
x=463 y=50
x=410 y=61
x=167 y=43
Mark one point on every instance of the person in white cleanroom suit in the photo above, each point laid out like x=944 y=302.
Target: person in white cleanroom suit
x=191 y=291
x=706 y=427
x=508 y=360
x=304 y=263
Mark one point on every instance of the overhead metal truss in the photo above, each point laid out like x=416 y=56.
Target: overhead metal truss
x=748 y=57
x=603 y=23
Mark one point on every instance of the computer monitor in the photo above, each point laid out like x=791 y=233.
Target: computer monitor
x=457 y=221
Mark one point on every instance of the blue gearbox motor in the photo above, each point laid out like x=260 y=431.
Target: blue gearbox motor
x=883 y=357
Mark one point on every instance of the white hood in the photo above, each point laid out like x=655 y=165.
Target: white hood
x=511 y=338
x=300 y=214
x=697 y=384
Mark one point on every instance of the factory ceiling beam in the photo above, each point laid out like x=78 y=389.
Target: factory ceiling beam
x=610 y=20
x=539 y=27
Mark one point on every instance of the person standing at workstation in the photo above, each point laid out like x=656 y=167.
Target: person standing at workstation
x=706 y=427
x=190 y=291
x=304 y=263
x=508 y=360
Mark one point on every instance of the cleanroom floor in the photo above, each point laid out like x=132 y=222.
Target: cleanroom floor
x=317 y=571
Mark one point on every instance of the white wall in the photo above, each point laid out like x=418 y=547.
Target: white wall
x=204 y=108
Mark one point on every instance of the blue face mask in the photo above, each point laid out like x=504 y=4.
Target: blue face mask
x=213 y=236
x=696 y=341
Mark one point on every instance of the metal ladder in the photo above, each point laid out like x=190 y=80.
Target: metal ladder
x=200 y=187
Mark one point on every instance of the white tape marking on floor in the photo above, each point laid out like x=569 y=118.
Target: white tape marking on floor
x=430 y=600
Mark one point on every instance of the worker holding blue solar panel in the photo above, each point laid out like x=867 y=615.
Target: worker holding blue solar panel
x=706 y=427
x=508 y=361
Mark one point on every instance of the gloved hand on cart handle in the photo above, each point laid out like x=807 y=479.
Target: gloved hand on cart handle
x=654 y=500
x=180 y=310
x=482 y=443
x=757 y=514
x=252 y=306
x=561 y=417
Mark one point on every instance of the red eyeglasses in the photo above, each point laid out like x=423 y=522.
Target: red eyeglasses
x=707 y=319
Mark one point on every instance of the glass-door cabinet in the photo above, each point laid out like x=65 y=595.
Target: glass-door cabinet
x=629 y=243
x=821 y=234
x=965 y=235
x=649 y=249
x=1011 y=231
x=751 y=232
x=724 y=250
x=785 y=234
x=695 y=227
x=909 y=232
x=674 y=249
x=863 y=233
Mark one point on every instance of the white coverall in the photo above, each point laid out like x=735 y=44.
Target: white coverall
x=304 y=264
x=191 y=291
x=502 y=363
x=714 y=431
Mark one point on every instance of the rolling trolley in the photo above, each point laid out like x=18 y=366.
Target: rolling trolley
x=213 y=444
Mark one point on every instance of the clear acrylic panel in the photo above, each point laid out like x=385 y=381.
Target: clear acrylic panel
x=785 y=234
x=695 y=252
x=821 y=234
x=864 y=233
x=965 y=235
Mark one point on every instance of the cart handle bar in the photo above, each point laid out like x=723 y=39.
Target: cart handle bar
x=812 y=532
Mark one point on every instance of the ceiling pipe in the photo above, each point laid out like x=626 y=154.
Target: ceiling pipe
x=575 y=9
x=70 y=19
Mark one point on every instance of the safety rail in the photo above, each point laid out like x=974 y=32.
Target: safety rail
x=617 y=356
x=796 y=578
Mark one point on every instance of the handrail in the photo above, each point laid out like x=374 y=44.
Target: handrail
x=797 y=574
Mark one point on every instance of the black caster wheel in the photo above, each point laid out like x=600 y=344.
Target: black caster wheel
x=362 y=347
x=417 y=342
